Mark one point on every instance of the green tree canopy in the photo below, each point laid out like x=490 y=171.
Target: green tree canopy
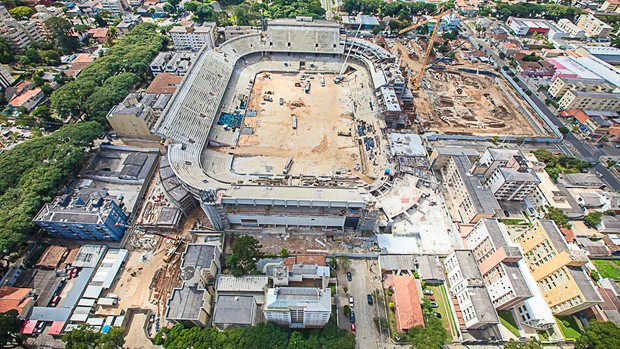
x=530 y=343
x=59 y=29
x=6 y=53
x=558 y=216
x=9 y=330
x=599 y=335
x=84 y=338
x=433 y=336
x=21 y=12
x=593 y=218
x=245 y=253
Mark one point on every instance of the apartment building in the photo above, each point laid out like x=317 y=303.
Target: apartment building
x=610 y=6
x=574 y=99
x=6 y=79
x=557 y=269
x=298 y=307
x=176 y=63
x=134 y=117
x=467 y=286
x=200 y=264
x=194 y=36
x=88 y=215
x=115 y=7
x=570 y=28
x=497 y=258
x=189 y=306
x=470 y=200
x=561 y=85
x=593 y=26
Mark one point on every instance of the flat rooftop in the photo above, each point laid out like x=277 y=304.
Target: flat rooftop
x=185 y=303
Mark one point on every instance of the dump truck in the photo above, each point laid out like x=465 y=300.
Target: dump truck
x=281 y=100
x=322 y=79
x=308 y=87
x=344 y=134
x=294 y=122
x=267 y=98
x=288 y=165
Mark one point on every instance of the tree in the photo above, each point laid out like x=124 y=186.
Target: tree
x=296 y=341
x=42 y=112
x=21 y=13
x=59 y=29
x=6 y=53
x=344 y=262
x=563 y=130
x=245 y=252
x=530 y=343
x=376 y=30
x=191 y=6
x=84 y=338
x=433 y=336
x=9 y=330
x=599 y=335
x=593 y=218
x=558 y=216
x=346 y=309
x=284 y=253
x=168 y=8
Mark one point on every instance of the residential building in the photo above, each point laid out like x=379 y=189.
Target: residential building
x=20 y=34
x=134 y=3
x=301 y=275
x=593 y=27
x=610 y=6
x=580 y=180
x=189 y=306
x=590 y=126
x=235 y=311
x=496 y=34
x=164 y=83
x=6 y=79
x=407 y=309
x=115 y=7
x=193 y=36
x=470 y=199
x=541 y=68
x=570 y=28
x=557 y=269
x=100 y=35
x=232 y=31
x=88 y=215
x=298 y=307
x=177 y=63
x=29 y=99
x=200 y=263
x=254 y=286
x=561 y=85
x=467 y=286
x=128 y=22
x=19 y=299
x=575 y=99
x=609 y=225
x=515 y=182
x=497 y=259
x=430 y=269
x=134 y=117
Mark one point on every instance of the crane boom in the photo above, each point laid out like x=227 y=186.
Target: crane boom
x=339 y=78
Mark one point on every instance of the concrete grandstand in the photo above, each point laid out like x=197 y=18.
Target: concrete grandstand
x=221 y=80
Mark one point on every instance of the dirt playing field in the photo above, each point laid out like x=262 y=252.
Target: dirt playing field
x=314 y=145
x=455 y=102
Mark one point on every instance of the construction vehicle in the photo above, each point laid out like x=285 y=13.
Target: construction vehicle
x=294 y=122
x=322 y=80
x=344 y=134
x=281 y=100
x=308 y=87
x=267 y=98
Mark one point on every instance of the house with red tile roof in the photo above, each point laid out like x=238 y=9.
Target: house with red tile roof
x=28 y=99
x=407 y=309
x=101 y=35
x=14 y=298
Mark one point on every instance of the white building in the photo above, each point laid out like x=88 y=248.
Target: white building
x=115 y=7
x=298 y=307
x=593 y=26
x=570 y=28
x=194 y=36
x=467 y=286
x=5 y=77
x=507 y=174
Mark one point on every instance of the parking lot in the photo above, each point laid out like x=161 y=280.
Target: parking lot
x=364 y=280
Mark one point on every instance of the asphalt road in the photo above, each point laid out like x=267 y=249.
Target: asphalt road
x=364 y=281
x=590 y=155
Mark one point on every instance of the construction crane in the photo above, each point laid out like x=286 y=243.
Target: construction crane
x=417 y=78
x=438 y=14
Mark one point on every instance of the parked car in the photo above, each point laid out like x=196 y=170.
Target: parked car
x=434 y=305
x=349 y=276
x=40 y=327
x=352 y=317
x=55 y=300
x=351 y=302
x=353 y=329
x=369 y=298
x=428 y=292
x=432 y=298
x=438 y=315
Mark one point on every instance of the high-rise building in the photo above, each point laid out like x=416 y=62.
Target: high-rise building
x=193 y=36
x=298 y=307
x=556 y=268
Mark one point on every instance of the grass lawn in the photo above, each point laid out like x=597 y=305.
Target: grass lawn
x=442 y=300
x=608 y=268
x=506 y=318
x=572 y=331
x=391 y=317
